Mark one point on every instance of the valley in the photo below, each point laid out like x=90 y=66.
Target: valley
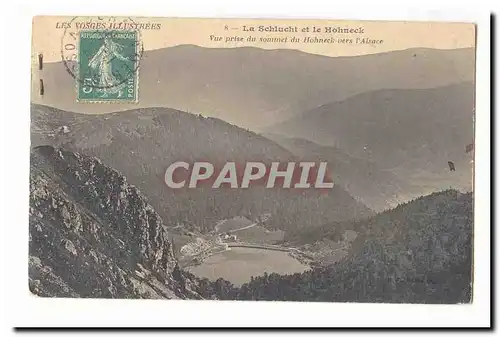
x=238 y=249
x=107 y=232
x=180 y=196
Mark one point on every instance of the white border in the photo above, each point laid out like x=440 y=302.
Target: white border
x=27 y=310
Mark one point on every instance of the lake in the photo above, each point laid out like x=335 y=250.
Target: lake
x=237 y=265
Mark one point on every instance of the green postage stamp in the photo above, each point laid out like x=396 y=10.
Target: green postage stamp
x=108 y=63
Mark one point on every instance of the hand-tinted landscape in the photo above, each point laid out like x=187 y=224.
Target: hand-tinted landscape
x=396 y=129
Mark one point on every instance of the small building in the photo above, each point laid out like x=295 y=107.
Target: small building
x=63 y=129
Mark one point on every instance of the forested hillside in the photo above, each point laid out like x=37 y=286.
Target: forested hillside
x=142 y=143
x=365 y=180
x=419 y=252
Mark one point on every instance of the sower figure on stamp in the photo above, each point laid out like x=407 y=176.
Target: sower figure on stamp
x=101 y=62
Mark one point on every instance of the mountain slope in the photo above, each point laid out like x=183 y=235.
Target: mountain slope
x=142 y=143
x=377 y=188
x=92 y=234
x=253 y=88
x=411 y=132
x=419 y=252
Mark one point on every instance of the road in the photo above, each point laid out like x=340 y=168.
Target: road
x=233 y=230
x=260 y=246
x=242 y=228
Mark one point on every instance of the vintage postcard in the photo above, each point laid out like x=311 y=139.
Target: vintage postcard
x=252 y=159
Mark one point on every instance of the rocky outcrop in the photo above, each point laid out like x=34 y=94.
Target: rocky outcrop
x=92 y=234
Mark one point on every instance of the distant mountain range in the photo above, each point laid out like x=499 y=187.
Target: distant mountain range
x=412 y=133
x=254 y=88
x=142 y=143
